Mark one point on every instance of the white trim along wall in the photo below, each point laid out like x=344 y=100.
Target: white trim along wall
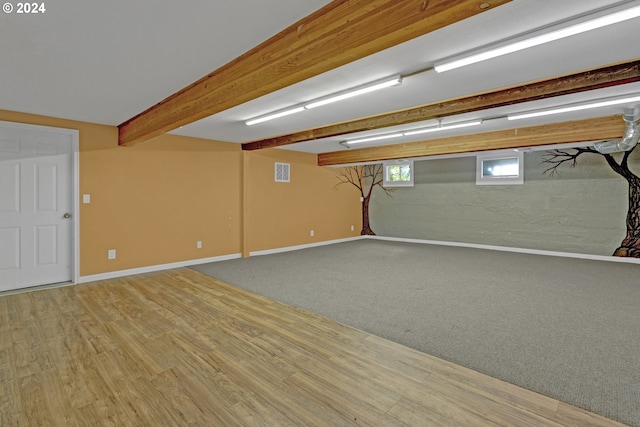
x=154 y=268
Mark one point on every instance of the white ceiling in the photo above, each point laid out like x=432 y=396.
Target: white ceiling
x=105 y=62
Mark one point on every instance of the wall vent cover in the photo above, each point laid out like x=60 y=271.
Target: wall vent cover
x=282 y=172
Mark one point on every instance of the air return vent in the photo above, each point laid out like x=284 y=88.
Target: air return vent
x=282 y=172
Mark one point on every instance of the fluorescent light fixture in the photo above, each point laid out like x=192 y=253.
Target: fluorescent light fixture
x=380 y=84
x=443 y=127
x=274 y=116
x=414 y=132
x=604 y=102
x=355 y=92
x=613 y=15
x=374 y=138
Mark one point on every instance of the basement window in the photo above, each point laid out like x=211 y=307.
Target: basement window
x=282 y=172
x=500 y=168
x=398 y=173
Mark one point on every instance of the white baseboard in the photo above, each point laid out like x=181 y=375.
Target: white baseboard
x=510 y=249
x=152 y=268
x=305 y=246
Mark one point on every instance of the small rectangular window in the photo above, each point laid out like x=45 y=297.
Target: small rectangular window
x=282 y=172
x=500 y=168
x=398 y=173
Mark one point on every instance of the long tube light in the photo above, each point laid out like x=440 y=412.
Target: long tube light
x=374 y=138
x=354 y=92
x=273 y=116
x=437 y=128
x=380 y=84
x=604 y=102
x=443 y=127
x=616 y=14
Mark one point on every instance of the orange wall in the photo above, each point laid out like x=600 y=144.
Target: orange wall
x=153 y=201
x=279 y=214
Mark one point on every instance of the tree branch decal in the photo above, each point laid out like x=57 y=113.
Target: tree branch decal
x=630 y=246
x=364 y=178
x=556 y=158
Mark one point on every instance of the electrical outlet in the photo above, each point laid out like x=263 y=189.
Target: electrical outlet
x=352 y=228
x=111 y=254
x=199 y=244
x=312 y=233
x=86 y=199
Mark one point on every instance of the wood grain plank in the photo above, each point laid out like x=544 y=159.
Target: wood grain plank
x=170 y=383
x=34 y=409
x=133 y=344
x=79 y=376
x=156 y=412
x=6 y=342
x=337 y=34
x=269 y=382
x=558 y=133
x=10 y=405
x=29 y=359
x=570 y=415
x=490 y=408
x=615 y=75
x=56 y=401
x=437 y=412
x=126 y=384
x=19 y=307
x=491 y=387
x=207 y=398
x=67 y=300
x=102 y=413
x=344 y=407
x=4 y=314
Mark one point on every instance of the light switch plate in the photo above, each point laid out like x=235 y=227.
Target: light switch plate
x=86 y=199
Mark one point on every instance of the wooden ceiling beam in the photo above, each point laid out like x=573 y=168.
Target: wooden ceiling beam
x=533 y=136
x=339 y=33
x=613 y=75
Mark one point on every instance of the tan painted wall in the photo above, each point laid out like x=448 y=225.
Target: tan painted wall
x=279 y=214
x=153 y=201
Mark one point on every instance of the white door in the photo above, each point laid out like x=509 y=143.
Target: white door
x=36 y=218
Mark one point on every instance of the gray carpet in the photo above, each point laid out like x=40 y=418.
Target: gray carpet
x=566 y=328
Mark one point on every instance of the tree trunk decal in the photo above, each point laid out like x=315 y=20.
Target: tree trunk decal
x=364 y=178
x=630 y=246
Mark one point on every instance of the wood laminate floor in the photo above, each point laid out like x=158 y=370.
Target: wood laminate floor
x=180 y=348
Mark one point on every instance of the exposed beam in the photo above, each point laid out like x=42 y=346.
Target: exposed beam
x=579 y=82
x=339 y=33
x=557 y=133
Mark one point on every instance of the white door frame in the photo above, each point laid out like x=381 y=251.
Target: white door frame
x=75 y=190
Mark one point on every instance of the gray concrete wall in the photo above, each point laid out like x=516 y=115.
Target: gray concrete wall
x=582 y=210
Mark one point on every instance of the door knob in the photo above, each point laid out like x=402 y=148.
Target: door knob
x=67 y=215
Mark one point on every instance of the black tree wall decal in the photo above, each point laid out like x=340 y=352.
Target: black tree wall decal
x=630 y=246
x=364 y=178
